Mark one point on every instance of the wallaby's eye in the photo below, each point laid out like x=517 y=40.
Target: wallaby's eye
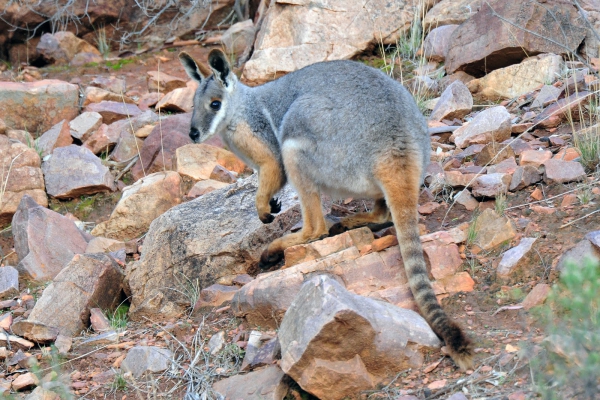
x=215 y=105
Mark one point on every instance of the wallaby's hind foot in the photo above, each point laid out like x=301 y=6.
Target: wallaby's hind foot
x=402 y=196
x=274 y=252
x=380 y=215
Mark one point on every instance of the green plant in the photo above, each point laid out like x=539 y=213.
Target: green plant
x=587 y=142
x=102 y=42
x=500 y=204
x=585 y=195
x=472 y=231
x=569 y=367
x=119 y=382
x=118 y=318
x=117 y=65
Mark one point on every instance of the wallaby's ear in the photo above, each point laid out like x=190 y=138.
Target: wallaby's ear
x=196 y=71
x=217 y=60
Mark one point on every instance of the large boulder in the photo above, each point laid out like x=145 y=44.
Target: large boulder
x=436 y=43
x=450 y=12
x=494 y=37
x=269 y=383
x=44 y=240
x=335 y=344
x=62 y=47
x=518 y=79
x=297 y=33
x=140 y=204
x=216 y=235
x=20 y=175
x=37 y=106
x=87 y=281
x=73 y=171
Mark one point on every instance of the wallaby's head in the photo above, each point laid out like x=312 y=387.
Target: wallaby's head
x=216 y=84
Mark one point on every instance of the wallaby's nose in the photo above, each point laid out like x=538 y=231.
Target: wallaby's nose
x=194 y=134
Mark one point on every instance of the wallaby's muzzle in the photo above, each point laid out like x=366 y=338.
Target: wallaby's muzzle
x=194 y=135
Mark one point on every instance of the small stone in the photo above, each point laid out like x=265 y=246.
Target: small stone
x=144 y=131
x=534 y=158
x=492 y=124
x=98 y=320
x=161 y=82
x=265 y=384
x=569 y=200
x=104 y=338
x=143 y=359
x=112 y=111
x=456 y=102
x=493 y=153
x=537 y=194
x=9 y=282
x=104 y=245
x=215 y=296
x=216 y=343
x=492 y=230
x=24 y=382
x=536 y=297
x=465 y=199
x=568 y=154
x=222 y=175
x=57 y=136
x=491 y=185
x=429 y=208
x=111 y=83
x=63 y=343
x=508 y=166
x=558 y=171
x=524 y=177
x=179 y=100
x=510 y=267
x=98 y=95
x=548 y=94
x=85 y=125
x=6 y=321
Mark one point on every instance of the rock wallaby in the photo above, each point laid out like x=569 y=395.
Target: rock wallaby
x=340 y=128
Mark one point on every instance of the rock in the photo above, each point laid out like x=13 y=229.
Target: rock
x=448 y=12
x=266 y=384
x=559 y=171
x=39 y=393
x=216 y=235
x=491 y=185
x=35 y=230
x=102 y=140
x=458 y=179
x=492 y=230
x=25 y=381
x=567 y=154
x=144 y=131
x=486 y=42
x=465 y=199
x=144 y=359
x=2 y=127
x=6 y=320
x=85 y=125
x=594 y=238
x=112 y=111
x=379 y=340
x=15 y=342
x=535 y=158
x=140 y=204
x=74 y=171
x=379 y=275
x=160 y=146
x=456 y=102
x=516 y=80
x=63 y=344
x=97 y=95
x=294 y=35
x=537 y=296
x=457 y=76
x=204 y=187
x=57 y=136
x=88 y=281
x=9 y=282
x=548 y=94
x=215 y=296
x=104 y=245
x=436 y=43
x=312 y=251
x=61 y=47
x=121 y=132
x=112 y=84
x=239 y=38
x=102 y=339
x=493 y=153
x=128 y=146
x=36 y=332
x=179 y=100
x=20 y=175
x=197 y=161
x=563 y=109
x=98 y=320
x=37 y=106
x=222 y=175
x=490 y=125
x=20 y=135
x=149 y=100
x=508 y=166
x=577 y=255
x=160 y=82
x=513 y=266
x=261 y=353
x=524 y=177
x=519 y=146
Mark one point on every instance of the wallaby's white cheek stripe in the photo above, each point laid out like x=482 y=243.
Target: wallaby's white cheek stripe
x=218 y=118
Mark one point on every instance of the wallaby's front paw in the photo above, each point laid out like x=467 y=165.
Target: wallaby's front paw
x=266 y=218
x=267 y=260
x=275 y=205
x=336 y=229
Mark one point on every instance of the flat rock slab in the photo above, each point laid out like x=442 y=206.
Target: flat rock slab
x=85 y=125
x=265 y=384
x=74 y=171
x=36 y=106
x=490 y=125
x=44 y=240
x=88 y=281
x=559 y=171
x=146 y=359
x=197 y=161
x=215 y=235
x=492 y=230
x=112 y=111
x=20 y=175
x=379 y=340
x=140 y=204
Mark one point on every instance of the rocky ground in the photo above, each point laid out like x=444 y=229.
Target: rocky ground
x=129 y=255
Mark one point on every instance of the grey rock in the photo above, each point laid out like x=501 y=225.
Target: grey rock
x=509 y=268
x=560 y=171
x=491 y=185
x=583 y=250
x=266 y=384
x=548 y=94
x=436 y=43
x=85 y=125
x=216 y=343
x=143 y=359
x=335 y=344
x=594 y=238
x=9 y=282
x=44 y=240
x=112 y=111
x=57 y=136
x=456 y=102
x=74 y=171
x=523 y=177
x=491 y=125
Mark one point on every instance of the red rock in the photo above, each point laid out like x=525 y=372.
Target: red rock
x=537 y=296
x=558 y=171
x=569 y=200
x=179 y=100
x=97 y=95
x=534 y=158
x=561 y=110
x=543 y=210
x=102 y=140
x=99 y=321
x=25 y=381
x=215 y=296
x=513 y=266
x=568 y=154
x=158 y=81
x=429 y=208
x=524 y=177
x=149 y=100
x=537 y=194
x=112 y=111
x=435 y=45
x=204 y=187
x=384 y=242
x=111 y=83
x=57 y=136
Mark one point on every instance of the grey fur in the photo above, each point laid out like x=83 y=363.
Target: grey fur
x=341 y=115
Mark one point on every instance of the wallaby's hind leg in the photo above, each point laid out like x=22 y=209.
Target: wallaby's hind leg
x=399 y=176
x=377 y=219
x=314 y=226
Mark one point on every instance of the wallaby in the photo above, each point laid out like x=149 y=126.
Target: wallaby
x=340 y=128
